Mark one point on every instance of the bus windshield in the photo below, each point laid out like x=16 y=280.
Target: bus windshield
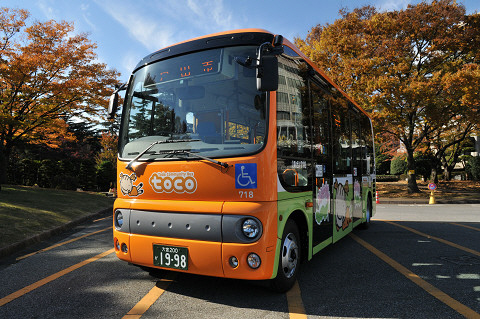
x=202 y=102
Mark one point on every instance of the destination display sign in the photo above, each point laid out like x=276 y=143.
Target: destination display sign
x=201 y=63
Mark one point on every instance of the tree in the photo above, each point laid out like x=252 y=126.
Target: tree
x=106 y=175
x=461 y=94
x=87 y=140
x=473 y=168
x=382 y=161
x=398 y=165
x=48 y=76
x=448 y=144
x=425 y=163
x=108 y=143
x=402 y=66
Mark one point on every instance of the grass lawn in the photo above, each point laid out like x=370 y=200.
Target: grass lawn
x=27 y=211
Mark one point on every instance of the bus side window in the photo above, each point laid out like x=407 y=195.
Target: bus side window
x=290 y=177
x=368 y=153
x=294 y=145
x=341 y=136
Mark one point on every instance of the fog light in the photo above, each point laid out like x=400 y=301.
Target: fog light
x=233 y=261
x=117 y=244
x=124 y=248
x=250 y=228
x=254 y=260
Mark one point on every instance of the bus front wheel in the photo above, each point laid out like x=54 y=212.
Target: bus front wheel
x=289 y=258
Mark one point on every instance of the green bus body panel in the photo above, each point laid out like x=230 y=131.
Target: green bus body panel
x=288 y=203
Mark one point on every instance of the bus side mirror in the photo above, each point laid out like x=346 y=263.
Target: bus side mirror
x=267 y=64
x=113 y=105
x=267 y=73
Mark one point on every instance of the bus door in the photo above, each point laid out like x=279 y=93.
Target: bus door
x=356 y=166
x=322 y=157
x=342 y=192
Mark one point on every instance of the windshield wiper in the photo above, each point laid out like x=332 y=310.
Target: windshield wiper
x=225 y=165
x=129 y=165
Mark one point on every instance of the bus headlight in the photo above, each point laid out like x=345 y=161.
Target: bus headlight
x=118 y=219
x=239 y=229
x=250 y=228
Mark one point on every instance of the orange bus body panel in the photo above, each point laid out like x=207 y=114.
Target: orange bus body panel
x=212 y=258
x=264 y=247
x=215 y=194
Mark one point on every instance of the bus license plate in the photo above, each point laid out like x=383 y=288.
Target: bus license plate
x=170 y=257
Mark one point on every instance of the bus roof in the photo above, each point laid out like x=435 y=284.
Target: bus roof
x=250 y=36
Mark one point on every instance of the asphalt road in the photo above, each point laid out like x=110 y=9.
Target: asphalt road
x=415 y=261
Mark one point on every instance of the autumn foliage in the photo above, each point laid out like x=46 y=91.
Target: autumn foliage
x=416 y=70
x=49 y=75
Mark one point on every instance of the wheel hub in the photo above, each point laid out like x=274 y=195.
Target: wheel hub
x=289 y=255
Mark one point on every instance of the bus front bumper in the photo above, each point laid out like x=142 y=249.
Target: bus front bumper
x=205 y=236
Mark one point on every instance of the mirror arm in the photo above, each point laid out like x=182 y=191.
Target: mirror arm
x=120 y=88
x=113 y=103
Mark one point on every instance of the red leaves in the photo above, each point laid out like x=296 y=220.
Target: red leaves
x=48 y=74
x=407 y=66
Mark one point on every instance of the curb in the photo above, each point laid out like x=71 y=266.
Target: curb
x=8 y=250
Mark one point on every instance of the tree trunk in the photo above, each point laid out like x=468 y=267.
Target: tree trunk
x=4 y=160
x=412 y=177
x=434 y=175
x=3 y=165
x=448 y=172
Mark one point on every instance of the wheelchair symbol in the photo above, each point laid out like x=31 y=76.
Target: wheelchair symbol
x=246 y=175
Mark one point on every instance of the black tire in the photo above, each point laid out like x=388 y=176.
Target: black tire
x=289 y=259
x=368 y=214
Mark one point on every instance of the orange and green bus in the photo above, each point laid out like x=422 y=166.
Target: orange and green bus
x=238 y=158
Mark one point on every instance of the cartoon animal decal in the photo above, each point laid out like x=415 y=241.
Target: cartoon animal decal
x=357 y=200
x=127 y=187
x=342 y=209
x=322 y=207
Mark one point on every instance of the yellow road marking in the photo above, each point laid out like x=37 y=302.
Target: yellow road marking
x=466 y=226
x=434 y=291
x=443 y=241
x=97 y=220
x=295 y=303
x=62 y=243
x=50 y=278
x=149 y=299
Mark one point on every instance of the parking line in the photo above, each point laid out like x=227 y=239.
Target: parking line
x=434 y=291
x=295 y=304
x=149 y=299
x=50 y=278
x=97 y=220
x=466 y=226
x=443 y=241
x=62 y=243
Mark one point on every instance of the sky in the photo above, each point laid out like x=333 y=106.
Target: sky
x=125 y=31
